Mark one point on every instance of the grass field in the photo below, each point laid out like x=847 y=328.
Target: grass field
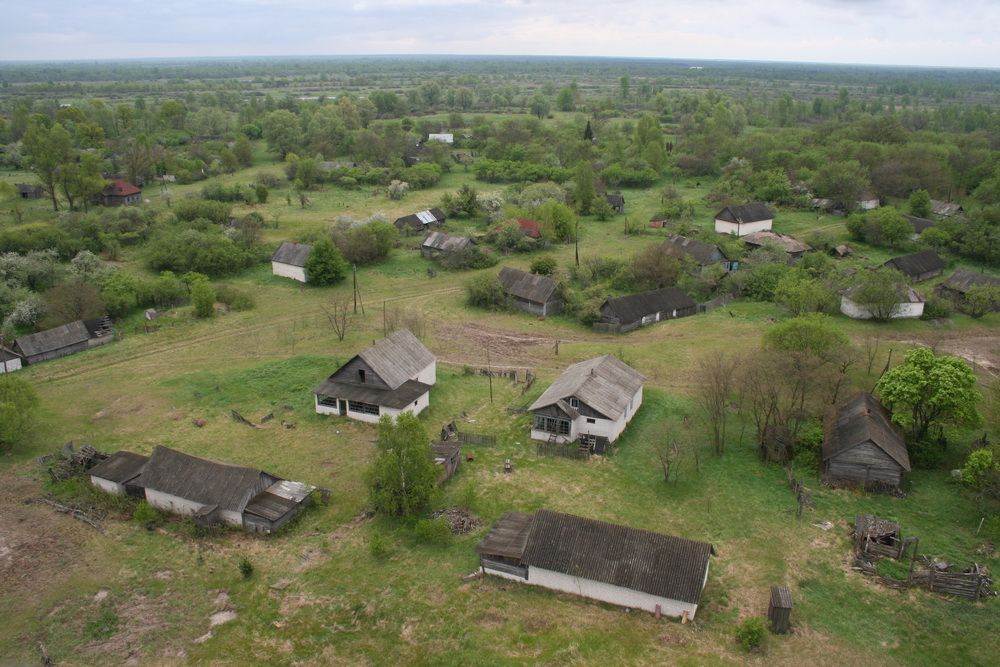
x=318 y=595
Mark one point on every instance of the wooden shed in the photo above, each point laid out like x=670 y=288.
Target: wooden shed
x=919 y=266
x=779 y=609
x=447 y=455
x=861 y=446
x=530 y=292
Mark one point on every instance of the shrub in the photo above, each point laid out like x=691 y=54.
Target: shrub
x=602 y=209
x=750 y=633
x=367 y=243
x=18 y=404
x=104 y=625
x=544 y=266
x=205 y=251
x=378 y=546
x=325 y=265
x=145 y=514
x=245 y=567
x=203 y=298
x=435 y=532
x=235 y=299
x=189 y=210
x=473 y=257
x=485 y=291
x=935 y=308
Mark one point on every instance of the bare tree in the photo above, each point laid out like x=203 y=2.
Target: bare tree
x=717 y=381
x=339 y=315
x=872 y=343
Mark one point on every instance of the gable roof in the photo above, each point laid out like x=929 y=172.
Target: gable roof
x=120 y=188
x=421 y=219
x=223 y=485
x=919 y=224
x=528 y=286
x=397 y=357
x=120 y=467
x=917 y=264
x=789 y=244
x=745 y=213
x=962 y=279
x=605 y=383
x=859 y=420
x=52 y=339
x=293 y=254
x=616 y=199
x=946 y=209
x=640 y=560
x=634 y=307
x=702 y=252
x=508 y=536
x=445 y=242
x=530 y=228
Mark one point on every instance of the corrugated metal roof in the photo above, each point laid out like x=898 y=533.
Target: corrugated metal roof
x=294 y=254
x=445 y=243
x=52 y=339
x=398 y=357
x=397 y=398
x=605 y=383
x=528 y=286
x=640 y=560
x=859 y=420
x=745 y=213
x=120 y=467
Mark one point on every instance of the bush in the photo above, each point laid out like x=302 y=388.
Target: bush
x=245 y=567
x=435 y=532
x=203 y=298
x=235 y=299
x=544 y=266
x=367 y=243
x=936 y=308
x=189 y=210
x=145 y=514
x=485 y=291
x=104 y=625
x=473 y=257
x=205 y=251
x=750 y=633
x=378 y=546
x=18 y=403
x=325 y=265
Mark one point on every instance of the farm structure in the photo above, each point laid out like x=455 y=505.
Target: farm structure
x=120 y=193
x=909 y=306
x=958 y=284
x=63 y=340
x=629 y=567
x=779 y=609
x=793 y=247
x=208 y=491
x=744 y=219
x=289 y=260
x=591 y=402
x=919 y=266
x=625 y=313
x=420 y=221
x=703 y=254
x=439 y=243
x=617 y=201
x=919 y=225
x=393 y=376
x=29 y=191
x=447 y=455
x=10 y=360
x=530 y=292
x=441 y=137
x=862 y=447
x=868 y=201
x=946 y=209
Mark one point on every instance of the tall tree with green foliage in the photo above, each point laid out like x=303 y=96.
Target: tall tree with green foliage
x=402 y=477
x=202 y=297
x=325 y=265
x=929 y=389
x=18 y=404
x=585 y=191
x=49 y=148
x=920 y=203
x=880 y=292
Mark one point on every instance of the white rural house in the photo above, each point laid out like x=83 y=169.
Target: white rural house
x=591 y=402
x=743 y=220
x=630 y=567
x=10 y=360
x=443 y=137
x=869 y=201
x=393 y=376
x=289 y=260
x=910 y=306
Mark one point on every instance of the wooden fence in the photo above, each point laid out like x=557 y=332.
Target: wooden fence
x=484 y=439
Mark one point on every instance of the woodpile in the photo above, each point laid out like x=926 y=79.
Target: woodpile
x=460 y=520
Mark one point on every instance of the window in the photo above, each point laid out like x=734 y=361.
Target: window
x=591 y=421
x=328 y=402
x=361 y=375
x=552 y=425
x=574 y=403
x=362 y=408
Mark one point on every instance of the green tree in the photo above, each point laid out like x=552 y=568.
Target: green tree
x=282 y=131
x=981 y=299
x=841 y=181
x=584 y=179
x=800 y=294
x=540 y=106
x=49 y=149
x=485 y=291
x=566 y=101
x=18 y=404
x=920 y=203
x=81 y=179
x=10 y=200
x=402 y=477
x=557 y=220
x=202 y=297
x=886 y=227
x=325 y=265
x=261 y=192
x=880 y=292
x=928 y=389
x=982 y=474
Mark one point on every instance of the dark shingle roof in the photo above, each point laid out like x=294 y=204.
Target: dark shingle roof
x=702 y=252
x=781 y=597
x=962 y=279
x=605 y=383
x=445 y=243
x=859 y=420
x=210 y=483
x=507 y=537
x=919 y=224
x=421 y=219
x=528 y=286
x=640 y=560
x=52 y=339
x=917 y=264
x=745 y=213
x=397 y=398
x=120 y=467
x=789 y=244
x=634 y=307
x=294 y=254
x=397 y=357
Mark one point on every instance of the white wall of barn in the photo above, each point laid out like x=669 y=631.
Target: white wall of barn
x=107 y=486
x=909 y=310
x=725 y=227
x=288 y=271
x=416 y=408
x=428 y=375
x=10 y=365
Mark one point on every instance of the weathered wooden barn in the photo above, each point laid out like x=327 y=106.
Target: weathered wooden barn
x=918 y=266
x=616 y=200
x=946 y=209
x=30 y=191
x=289 y=260
x=208 y=491
x=793 y=247
x=420 y=221
x=862 y=446
x=958 y=284
x=701 y=253
x=919 y=225
x=120 y=192
x=447 y=455
x=779 y=609
x=591 y=402
x=629 y=567
x=63 y=340
x=393 y=376
x=744 y=219
x=530 y=292
x=868 y=201
x=625 y=313
x=439 y=243
x=10 y=360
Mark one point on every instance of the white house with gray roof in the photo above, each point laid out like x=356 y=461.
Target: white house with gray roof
x=289 y=260
x=391 y=377
x=591 y=402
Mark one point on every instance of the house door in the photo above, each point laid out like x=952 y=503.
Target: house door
x=343 y=407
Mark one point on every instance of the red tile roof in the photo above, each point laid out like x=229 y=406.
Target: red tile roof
x=121 y=188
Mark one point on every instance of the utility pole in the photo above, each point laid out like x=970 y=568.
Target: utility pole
x=576 y=239
x=489 y=373
x=354 y=271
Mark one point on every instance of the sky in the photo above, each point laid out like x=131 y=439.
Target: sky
x=895 y=32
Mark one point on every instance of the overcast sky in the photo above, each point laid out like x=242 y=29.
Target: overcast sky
x=901 y=32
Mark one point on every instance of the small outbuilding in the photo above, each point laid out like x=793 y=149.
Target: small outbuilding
x=117 y=473
x=744 y=219
x=63 y=340
x=439 y=243
x=629 y=567
x=862 y=446
x=120 y=192
x=447 y=455
x=946 y=209
x=530 y=292
x=420 y=221
x=289 y=260
x=391 y=377
x=910 y=306
x=703 y=254
x=616 y=200
x=29 y=191
x=958 y=284
x=919 y=266
x=791 y=245
x=625 y=313
x=919 y=225
x=10 y=360
x=779 y=609
x=868 y=201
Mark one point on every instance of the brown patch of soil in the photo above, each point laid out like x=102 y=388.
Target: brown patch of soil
x=138 y=617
